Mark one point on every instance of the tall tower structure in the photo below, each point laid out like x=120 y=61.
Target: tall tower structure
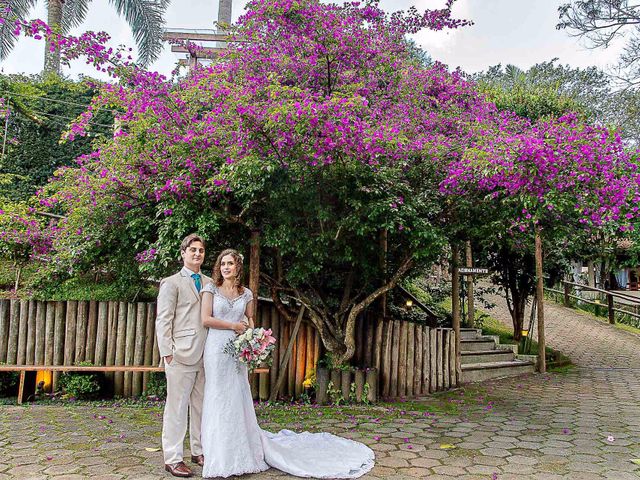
x=224 y=12
x=213 y=42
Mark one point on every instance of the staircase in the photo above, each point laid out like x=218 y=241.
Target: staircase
x=483 y=357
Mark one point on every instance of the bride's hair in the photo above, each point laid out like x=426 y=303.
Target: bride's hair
x=217 y=274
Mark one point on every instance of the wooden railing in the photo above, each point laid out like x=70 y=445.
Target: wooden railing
x=619 y=305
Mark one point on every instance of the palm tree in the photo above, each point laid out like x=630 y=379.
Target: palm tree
x=146 y=18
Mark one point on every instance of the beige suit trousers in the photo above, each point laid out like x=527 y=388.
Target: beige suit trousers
x=185 y=394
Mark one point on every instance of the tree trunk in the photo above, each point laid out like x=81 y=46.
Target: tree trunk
x=54 y=18
x=470 y=303
x=517 y=316
x=254 y=269
x=542 y=365
x=356 y=310
x=382 y=262
x=455 y=302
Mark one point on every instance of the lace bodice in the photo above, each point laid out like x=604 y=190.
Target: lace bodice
x=230 y=310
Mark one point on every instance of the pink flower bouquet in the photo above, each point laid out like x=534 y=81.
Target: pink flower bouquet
x=253 y=348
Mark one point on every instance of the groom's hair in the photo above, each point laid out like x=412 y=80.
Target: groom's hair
x=189 y=239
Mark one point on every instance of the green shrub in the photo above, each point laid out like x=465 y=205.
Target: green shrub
x=9 y=383
x=157 y=385
x=81 y=385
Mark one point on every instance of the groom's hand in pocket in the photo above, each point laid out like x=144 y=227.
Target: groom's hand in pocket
x=168 y=359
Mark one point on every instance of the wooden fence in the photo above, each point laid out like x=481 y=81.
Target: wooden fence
x=411 y=359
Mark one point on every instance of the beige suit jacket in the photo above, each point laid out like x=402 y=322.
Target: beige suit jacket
x=178 y=325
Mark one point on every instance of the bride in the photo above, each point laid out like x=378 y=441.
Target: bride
x=232 y=441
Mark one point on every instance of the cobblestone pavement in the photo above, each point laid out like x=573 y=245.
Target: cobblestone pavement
x=582 y=424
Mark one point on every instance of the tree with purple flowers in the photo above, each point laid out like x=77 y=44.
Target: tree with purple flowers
x=318 y=129
x=560 y=174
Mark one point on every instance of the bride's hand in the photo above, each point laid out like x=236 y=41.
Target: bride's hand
x=239 y=328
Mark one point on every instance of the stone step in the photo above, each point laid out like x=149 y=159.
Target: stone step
x=487 y=356
x=479 y=372
x=470 y=333
x=477 y=345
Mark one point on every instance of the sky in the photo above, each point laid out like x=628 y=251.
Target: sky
x=518 y=32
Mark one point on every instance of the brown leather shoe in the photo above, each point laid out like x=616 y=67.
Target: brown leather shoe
x=179 y=470
x=198 y=460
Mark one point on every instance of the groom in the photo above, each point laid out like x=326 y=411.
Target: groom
x=181 y=339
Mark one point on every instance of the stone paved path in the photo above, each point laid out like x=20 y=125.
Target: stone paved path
x=583 y=424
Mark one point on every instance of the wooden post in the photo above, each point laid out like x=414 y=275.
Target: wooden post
x=49 y=332
x=411 y=356
x=417 y=378
x=70 y=332
x=149 y=340
x=112 y=336
x=254 y=269
x=567 y=292
x=4 y=329
x=138 y=351
x=335 y=380
x=119 y=344
x=454 y=376
x=612 y=313
x=275 y=328
x=58 y=339
x=40 y=332
x=101 y=334
x=542 y=360
x=439 y=358
x=370 y=334
x=21 y=387
x=378 y=350
x=470 y=301
x=300 y=360
x=385 y=361
x=283 y=366
x=446 y=360
x=92 y=327
x=22 y=333
x=395 y=352
x=130 y=341
x=345 y=384
x=14 y=329
x=322 y=377
x=291 y=370
x=426 y=361
x=402 y=359
x=359 y=381
x=310 y=357
x=81 y=331
x=455 y=302
x=433 y=360
x=371 y=377
x=31 y=333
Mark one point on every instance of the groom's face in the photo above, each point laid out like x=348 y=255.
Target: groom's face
x=193 y=256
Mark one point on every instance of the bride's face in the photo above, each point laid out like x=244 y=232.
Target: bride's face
x=228 y=267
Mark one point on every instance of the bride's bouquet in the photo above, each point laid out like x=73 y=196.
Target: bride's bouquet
x=253 y=347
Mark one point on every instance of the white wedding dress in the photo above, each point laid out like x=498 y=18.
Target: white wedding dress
x=232 y=441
